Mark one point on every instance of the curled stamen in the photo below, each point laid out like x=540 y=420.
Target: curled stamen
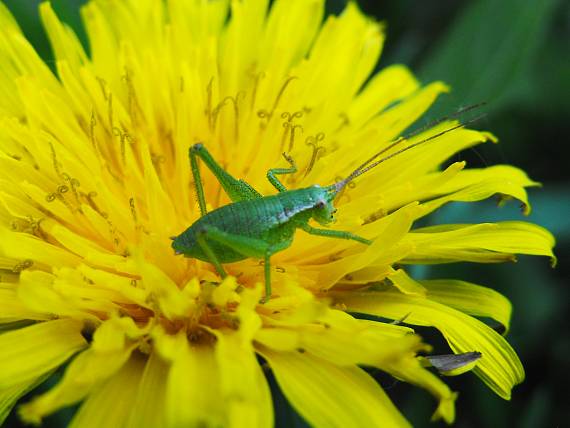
x=26 y=225
x=112 y=230
x=221 y=104
x=62 y=188
x=292 y=135
x=289 y=117
x=124 y=136
x=35 y=226
x=74 y=183
x=264 y=114
x=290 y=128
x=317 y=150
x=50 y=197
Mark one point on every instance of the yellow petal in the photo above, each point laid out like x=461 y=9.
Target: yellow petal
x=387 y=234
x=477 y=184
x=117 y=283
x=482 y=243
x=327 y=395
x=244 y=388
x=107 y=354
x=7 y=21
x=411 y=371
x=64 y=42
x=406 y=284
x=29 y=352
x=306 y=15
x=387 y=86
x=350 y=43
x=148 y=407
x=240 y=42
x=190 y=368
x=24 y=246
x=110 y=404
x=37 y=292
x=499 y=366
x=172 y=302
x=9 y=396
x=75 y=243
x=225 y=292
x=404 y=169
x=12 y=309
x=345 y=341
x=17 y=58
x=470 y=298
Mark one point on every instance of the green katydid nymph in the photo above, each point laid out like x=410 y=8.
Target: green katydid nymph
x=257 y=226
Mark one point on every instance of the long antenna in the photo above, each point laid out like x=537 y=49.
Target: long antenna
x=420 y=130
x=367 y=166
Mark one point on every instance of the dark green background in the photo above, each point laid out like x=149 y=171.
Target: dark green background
x=512 y=54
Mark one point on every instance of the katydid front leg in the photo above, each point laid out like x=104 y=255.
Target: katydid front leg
x=339 y=234
x=274 y=171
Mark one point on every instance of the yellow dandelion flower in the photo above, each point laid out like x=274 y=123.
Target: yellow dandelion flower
x=95 y=178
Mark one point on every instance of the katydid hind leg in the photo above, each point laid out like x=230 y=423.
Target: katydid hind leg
x=271 y=174
x=249 y=247
x=212 y=257
x=237 y=190
x=267 y=272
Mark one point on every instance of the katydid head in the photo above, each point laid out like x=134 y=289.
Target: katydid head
x=324 y=210
x=321 y=203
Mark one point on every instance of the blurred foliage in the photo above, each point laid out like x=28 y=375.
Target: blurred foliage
x=512 y=54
